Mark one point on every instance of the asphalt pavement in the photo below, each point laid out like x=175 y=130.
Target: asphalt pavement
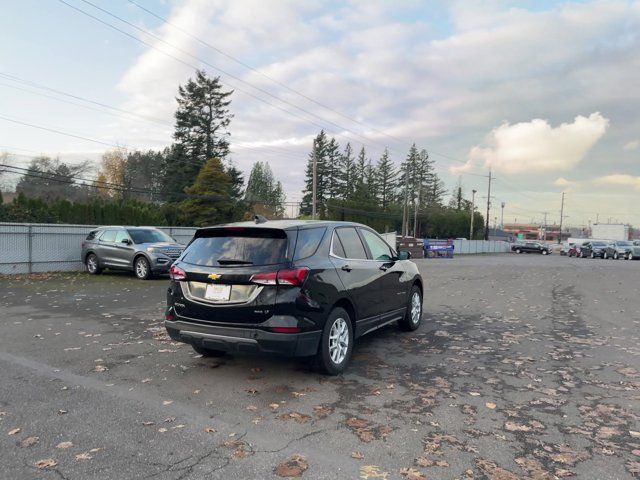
x=524 y=367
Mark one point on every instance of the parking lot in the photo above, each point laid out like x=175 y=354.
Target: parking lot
x=525 y=367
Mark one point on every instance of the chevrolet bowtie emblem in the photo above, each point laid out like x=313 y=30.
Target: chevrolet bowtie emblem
x=213 y=276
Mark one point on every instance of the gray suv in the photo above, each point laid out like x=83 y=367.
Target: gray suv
x=143 y=250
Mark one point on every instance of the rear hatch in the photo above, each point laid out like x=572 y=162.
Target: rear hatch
x=230 y=274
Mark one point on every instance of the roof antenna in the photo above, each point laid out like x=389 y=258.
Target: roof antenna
x=259 y=219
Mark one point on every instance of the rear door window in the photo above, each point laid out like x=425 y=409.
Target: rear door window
x=108 y=236
x=351 y=243
x=336 y=246
x=378 y=248
x=226 y=247
x=308 y=241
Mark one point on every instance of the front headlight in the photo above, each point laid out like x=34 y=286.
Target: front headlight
x=152 y=249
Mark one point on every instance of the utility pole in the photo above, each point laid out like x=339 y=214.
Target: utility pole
x=502 y=216
x=544 y=230
x=486 y=229
x=315 y=183
x=415 y=216
x=473 y=208
x=405 y=212
x=561 y=218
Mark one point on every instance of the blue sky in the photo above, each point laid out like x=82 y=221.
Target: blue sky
x=544 y=93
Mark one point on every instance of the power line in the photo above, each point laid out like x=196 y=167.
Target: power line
x=253 y=69
x=184 y=52
x=59 y=132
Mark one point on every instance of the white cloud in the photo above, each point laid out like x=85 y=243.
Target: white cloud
x=536 y=146
x=562 y=182
x=633 y=145
x=619 y=179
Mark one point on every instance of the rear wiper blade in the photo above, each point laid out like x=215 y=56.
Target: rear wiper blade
x=233 y=261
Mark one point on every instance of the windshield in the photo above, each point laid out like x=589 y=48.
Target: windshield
x=149 y=236
x=266 y=247
x=624 y=244
x=599 y=244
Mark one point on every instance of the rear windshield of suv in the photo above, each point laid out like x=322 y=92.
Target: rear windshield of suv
x=242 y=247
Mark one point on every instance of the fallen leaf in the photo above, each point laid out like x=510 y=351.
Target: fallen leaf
x=100 y=368
x=162 y=429
x=372 y=471
x=294 y=467
x=46 y=463
x=29 y=441
x=146 y=380
x=14 y=431
x=252 y=391
x=167 y=402
x=83 y=456
x=490 y=405
x=474 y=394
x=298 y=417
x=357 y=455
x=412 y=474
x=298 y=394
x=210 y=430
x=62 y=412
x=274 y=406
x=147 y=424
x=64 y=445
x=516 y=427
x=252 y=408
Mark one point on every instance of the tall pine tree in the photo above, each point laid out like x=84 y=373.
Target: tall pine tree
x=386 y=180
x=319 y=152
x=201 y=130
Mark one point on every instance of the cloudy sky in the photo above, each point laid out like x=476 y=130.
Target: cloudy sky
x=546 y=94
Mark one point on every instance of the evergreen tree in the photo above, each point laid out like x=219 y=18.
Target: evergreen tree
x=264 y=191
x=210 y=202
x=200 y=132
x=360 y=178
x=386 y=180
x=410 y=178
x=319 y=152
x=236 y=185
x=346 y=174
x=332 y=169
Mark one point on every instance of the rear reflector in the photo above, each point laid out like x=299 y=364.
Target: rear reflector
x=176 y=273
x=294 y=277
x=168 y=316
x=285 y=329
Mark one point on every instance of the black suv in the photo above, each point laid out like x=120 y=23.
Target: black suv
x=291 y=287
x=531 y=247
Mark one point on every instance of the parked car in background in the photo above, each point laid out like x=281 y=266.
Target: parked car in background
x=618 y=249
x=593 y=249
x=574 y=250
x=566 y=248
x=290 y=287
x=143 y=250
x=531 y=247
x=634 y=251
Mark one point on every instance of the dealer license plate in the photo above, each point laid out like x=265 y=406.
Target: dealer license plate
x=217 y=292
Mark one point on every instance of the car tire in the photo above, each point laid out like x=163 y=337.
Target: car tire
x=518 y=250
x=605 y=256
x=544 y=252
x=593 y=255
x=332 y=358
x=630 y=256
x=208 y=352
x=413 y=314
x=92 y=264
x=141 y=268
x=616 y=256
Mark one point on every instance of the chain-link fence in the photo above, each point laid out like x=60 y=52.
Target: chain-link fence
x=42 y=247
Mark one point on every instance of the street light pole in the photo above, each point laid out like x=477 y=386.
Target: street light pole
x=473 y=208
x=561 y=218
x=502 y=216
x=486 y=229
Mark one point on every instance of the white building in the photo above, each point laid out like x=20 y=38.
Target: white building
x=610 y=231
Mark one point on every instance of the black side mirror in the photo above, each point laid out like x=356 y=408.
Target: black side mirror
x=404 y=255
x=126 y=241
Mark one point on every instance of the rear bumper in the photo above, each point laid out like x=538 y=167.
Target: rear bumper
x=244 y=340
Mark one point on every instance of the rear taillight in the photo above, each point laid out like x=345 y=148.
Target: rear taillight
x=293 y=277
x=269 y=278
x=176 y=273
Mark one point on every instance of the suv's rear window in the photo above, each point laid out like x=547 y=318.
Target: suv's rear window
x=308 y=242
x=242 y=247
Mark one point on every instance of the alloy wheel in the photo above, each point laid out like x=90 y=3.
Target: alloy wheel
x=141 y=268
x=92 y=263
x=416 y=308
x=339 y=341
